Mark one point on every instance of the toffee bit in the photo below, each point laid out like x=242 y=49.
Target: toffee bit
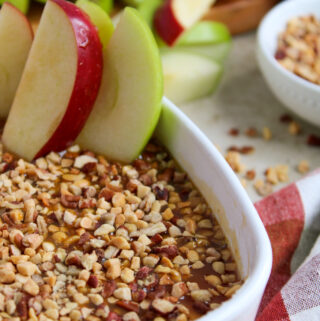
x=251 y=132
x=242 y=150
x=233 y=132
x=251 y=174
x=286 y=118
x=313 y=140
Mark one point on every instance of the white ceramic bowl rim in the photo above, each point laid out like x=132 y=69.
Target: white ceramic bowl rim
x=270 y=18
x=259 y=274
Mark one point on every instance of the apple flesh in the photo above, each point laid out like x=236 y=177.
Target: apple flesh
x=22 y=5
x=188 y=76
x=176 y=16
x=99 y=18
x=59 y=84
x=211 y=39
x=129 y=101
x=15 y=41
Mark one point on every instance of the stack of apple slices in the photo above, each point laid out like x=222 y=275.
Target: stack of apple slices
x=70 y=89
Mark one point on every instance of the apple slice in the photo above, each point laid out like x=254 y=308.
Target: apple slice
x=188 y=76
x=105 y=5
x=218 y=51
x=175 y=16
x=22 y=5
x=59 y=84
x=208 y=38
x=147 y=10
x=99 y=18
x=129 y=101
x=15 y=41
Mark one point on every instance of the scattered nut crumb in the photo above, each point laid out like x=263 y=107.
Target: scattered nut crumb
x=294 y=128
x=303 y=167
x=251 y=132
x=266 y=133
x=263 y=188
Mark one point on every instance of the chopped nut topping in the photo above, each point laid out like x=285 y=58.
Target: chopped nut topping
x=298 y=48
x=163 y=306
x=262 y=188
x=303 y=167
x=266 y=133
x=84 y=238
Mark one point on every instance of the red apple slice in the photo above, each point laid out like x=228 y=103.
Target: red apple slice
x=15 y=41
x=59 y=84
x=175 y=16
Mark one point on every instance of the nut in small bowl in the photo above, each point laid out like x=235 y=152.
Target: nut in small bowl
x=296 y=93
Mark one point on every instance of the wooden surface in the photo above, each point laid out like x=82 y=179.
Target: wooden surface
x=240 y=15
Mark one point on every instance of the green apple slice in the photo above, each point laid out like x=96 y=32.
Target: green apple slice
x=147 y=10
x=106 y=5
x=188 y=76
x=205 y=32
x=217 y=52
x=99 y=18
x=22 y=5
x=211 y=39
x=129 y=101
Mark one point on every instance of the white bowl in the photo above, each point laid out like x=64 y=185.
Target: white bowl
x=298 y=94
x=231 y=205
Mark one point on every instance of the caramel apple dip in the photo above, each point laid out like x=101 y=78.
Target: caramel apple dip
x=299 y=48
x=83 y=238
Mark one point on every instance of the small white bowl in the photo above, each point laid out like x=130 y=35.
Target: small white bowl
x=231 y=205
x=296 y=93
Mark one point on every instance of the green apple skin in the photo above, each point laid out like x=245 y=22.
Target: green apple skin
x=147 y=10
x=22 y=5
x=218 y=51
x=204 y=33
x=189 y=76
x=134 y=3
x=160 y=42
x=99 y=18
x=211 y=39
x=128 y=105
x=106 y=5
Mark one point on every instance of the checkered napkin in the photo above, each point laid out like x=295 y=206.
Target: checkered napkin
x=292 y=220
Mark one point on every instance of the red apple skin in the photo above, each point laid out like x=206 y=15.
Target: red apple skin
x=89 y=71
x=166 y=23
x=24 y=17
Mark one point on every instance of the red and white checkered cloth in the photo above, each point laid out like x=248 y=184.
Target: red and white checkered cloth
x=292 y=220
